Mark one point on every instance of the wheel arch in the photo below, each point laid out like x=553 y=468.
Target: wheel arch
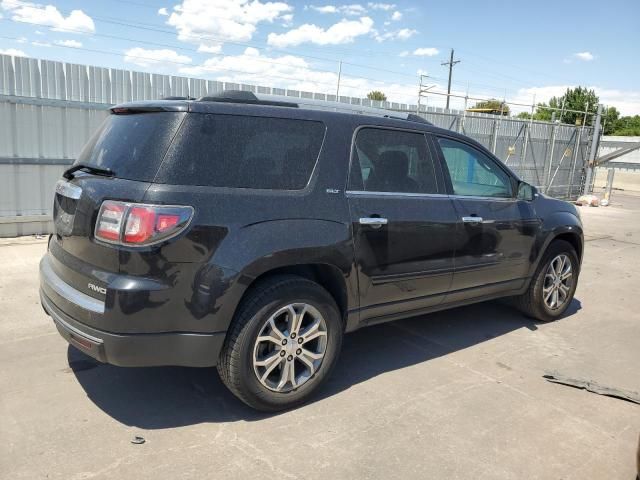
x=568 y=233
x=328 y=276
x=572 y=238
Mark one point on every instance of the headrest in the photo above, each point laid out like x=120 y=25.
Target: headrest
x=392 y=164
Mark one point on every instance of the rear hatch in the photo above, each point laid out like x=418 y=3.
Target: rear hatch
x=118 y=163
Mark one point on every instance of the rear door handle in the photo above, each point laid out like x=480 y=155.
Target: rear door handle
x=472 y=219
x=375 y=222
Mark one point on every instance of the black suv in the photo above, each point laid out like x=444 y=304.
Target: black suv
x=252 y=234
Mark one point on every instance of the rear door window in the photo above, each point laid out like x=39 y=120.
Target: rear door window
x=392 y=161
x=243 y=152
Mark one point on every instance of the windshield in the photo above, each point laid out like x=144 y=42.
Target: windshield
x=132 y=146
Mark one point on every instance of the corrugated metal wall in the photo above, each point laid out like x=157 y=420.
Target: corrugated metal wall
x=49 y=109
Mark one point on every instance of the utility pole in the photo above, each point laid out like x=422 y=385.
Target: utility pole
x=450 y=63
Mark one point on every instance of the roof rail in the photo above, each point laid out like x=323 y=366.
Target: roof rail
x=177 y=98
x=243 y=96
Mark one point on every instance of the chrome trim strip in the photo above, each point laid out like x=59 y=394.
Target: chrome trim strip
x=478 y=197
x=394 y=194
x=428 y=195
x=68 y=190
x=67 y=291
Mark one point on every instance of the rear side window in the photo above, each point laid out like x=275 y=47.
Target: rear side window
x=243 y=152
x=134 y=145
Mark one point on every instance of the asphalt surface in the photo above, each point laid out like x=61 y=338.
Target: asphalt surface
x=455 y=395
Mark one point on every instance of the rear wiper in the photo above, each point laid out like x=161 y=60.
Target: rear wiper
x=105 y=172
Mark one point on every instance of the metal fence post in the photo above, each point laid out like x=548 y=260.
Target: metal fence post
x=494 y=137
x=574 y=162
x=593 y=151
x=547 y=169
x=607 y=192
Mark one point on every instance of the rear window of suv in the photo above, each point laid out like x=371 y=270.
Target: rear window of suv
x=133 y=145
x=243 y=152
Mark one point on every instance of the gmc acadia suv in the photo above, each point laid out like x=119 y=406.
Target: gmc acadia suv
x=251 y=234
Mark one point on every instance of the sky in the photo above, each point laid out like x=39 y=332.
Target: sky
x=511 y=50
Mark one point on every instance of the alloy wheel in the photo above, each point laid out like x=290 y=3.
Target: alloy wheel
x=290 y=347
x=558 y=281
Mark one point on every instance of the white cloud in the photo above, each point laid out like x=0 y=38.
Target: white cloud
x=402 y=34
x=351 y=9
x=210 y=48
x=163 y=11
x=161 y=58
x=69 y=43
x=381 y=6
x=396 y=16
x=212 y=22
x=287 y=19
x=324 y=8
x=288 y=71
x=405 y=33
x=404 y=53
x=48 y=15
x=586 y=56
x=626 y=101
x=41 y=44
x=426 y=52
x=13 y=51
x=344 y=31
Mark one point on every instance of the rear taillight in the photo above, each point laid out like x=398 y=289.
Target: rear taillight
x=137 y=224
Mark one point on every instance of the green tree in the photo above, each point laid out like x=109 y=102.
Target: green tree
x=377 y=95
x=610 y=117
x=627 y=126
x=575 y=99
x=494 y=104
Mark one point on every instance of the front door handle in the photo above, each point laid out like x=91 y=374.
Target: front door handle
x=472 y=219
x=375 y=222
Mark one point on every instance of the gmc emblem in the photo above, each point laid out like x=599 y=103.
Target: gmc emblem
x=96 y=288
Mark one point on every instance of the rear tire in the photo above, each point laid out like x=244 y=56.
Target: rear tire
x=264 y=362
x=553 y=285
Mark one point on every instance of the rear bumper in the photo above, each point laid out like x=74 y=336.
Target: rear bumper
x=130 y=350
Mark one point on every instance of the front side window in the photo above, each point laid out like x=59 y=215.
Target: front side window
x=472 y=172
x=391 y=161
x=243 y=152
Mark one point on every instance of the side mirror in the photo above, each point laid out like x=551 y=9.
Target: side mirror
x=526 y=192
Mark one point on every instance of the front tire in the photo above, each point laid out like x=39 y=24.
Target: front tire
x=282 y=344
x=553 y=285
